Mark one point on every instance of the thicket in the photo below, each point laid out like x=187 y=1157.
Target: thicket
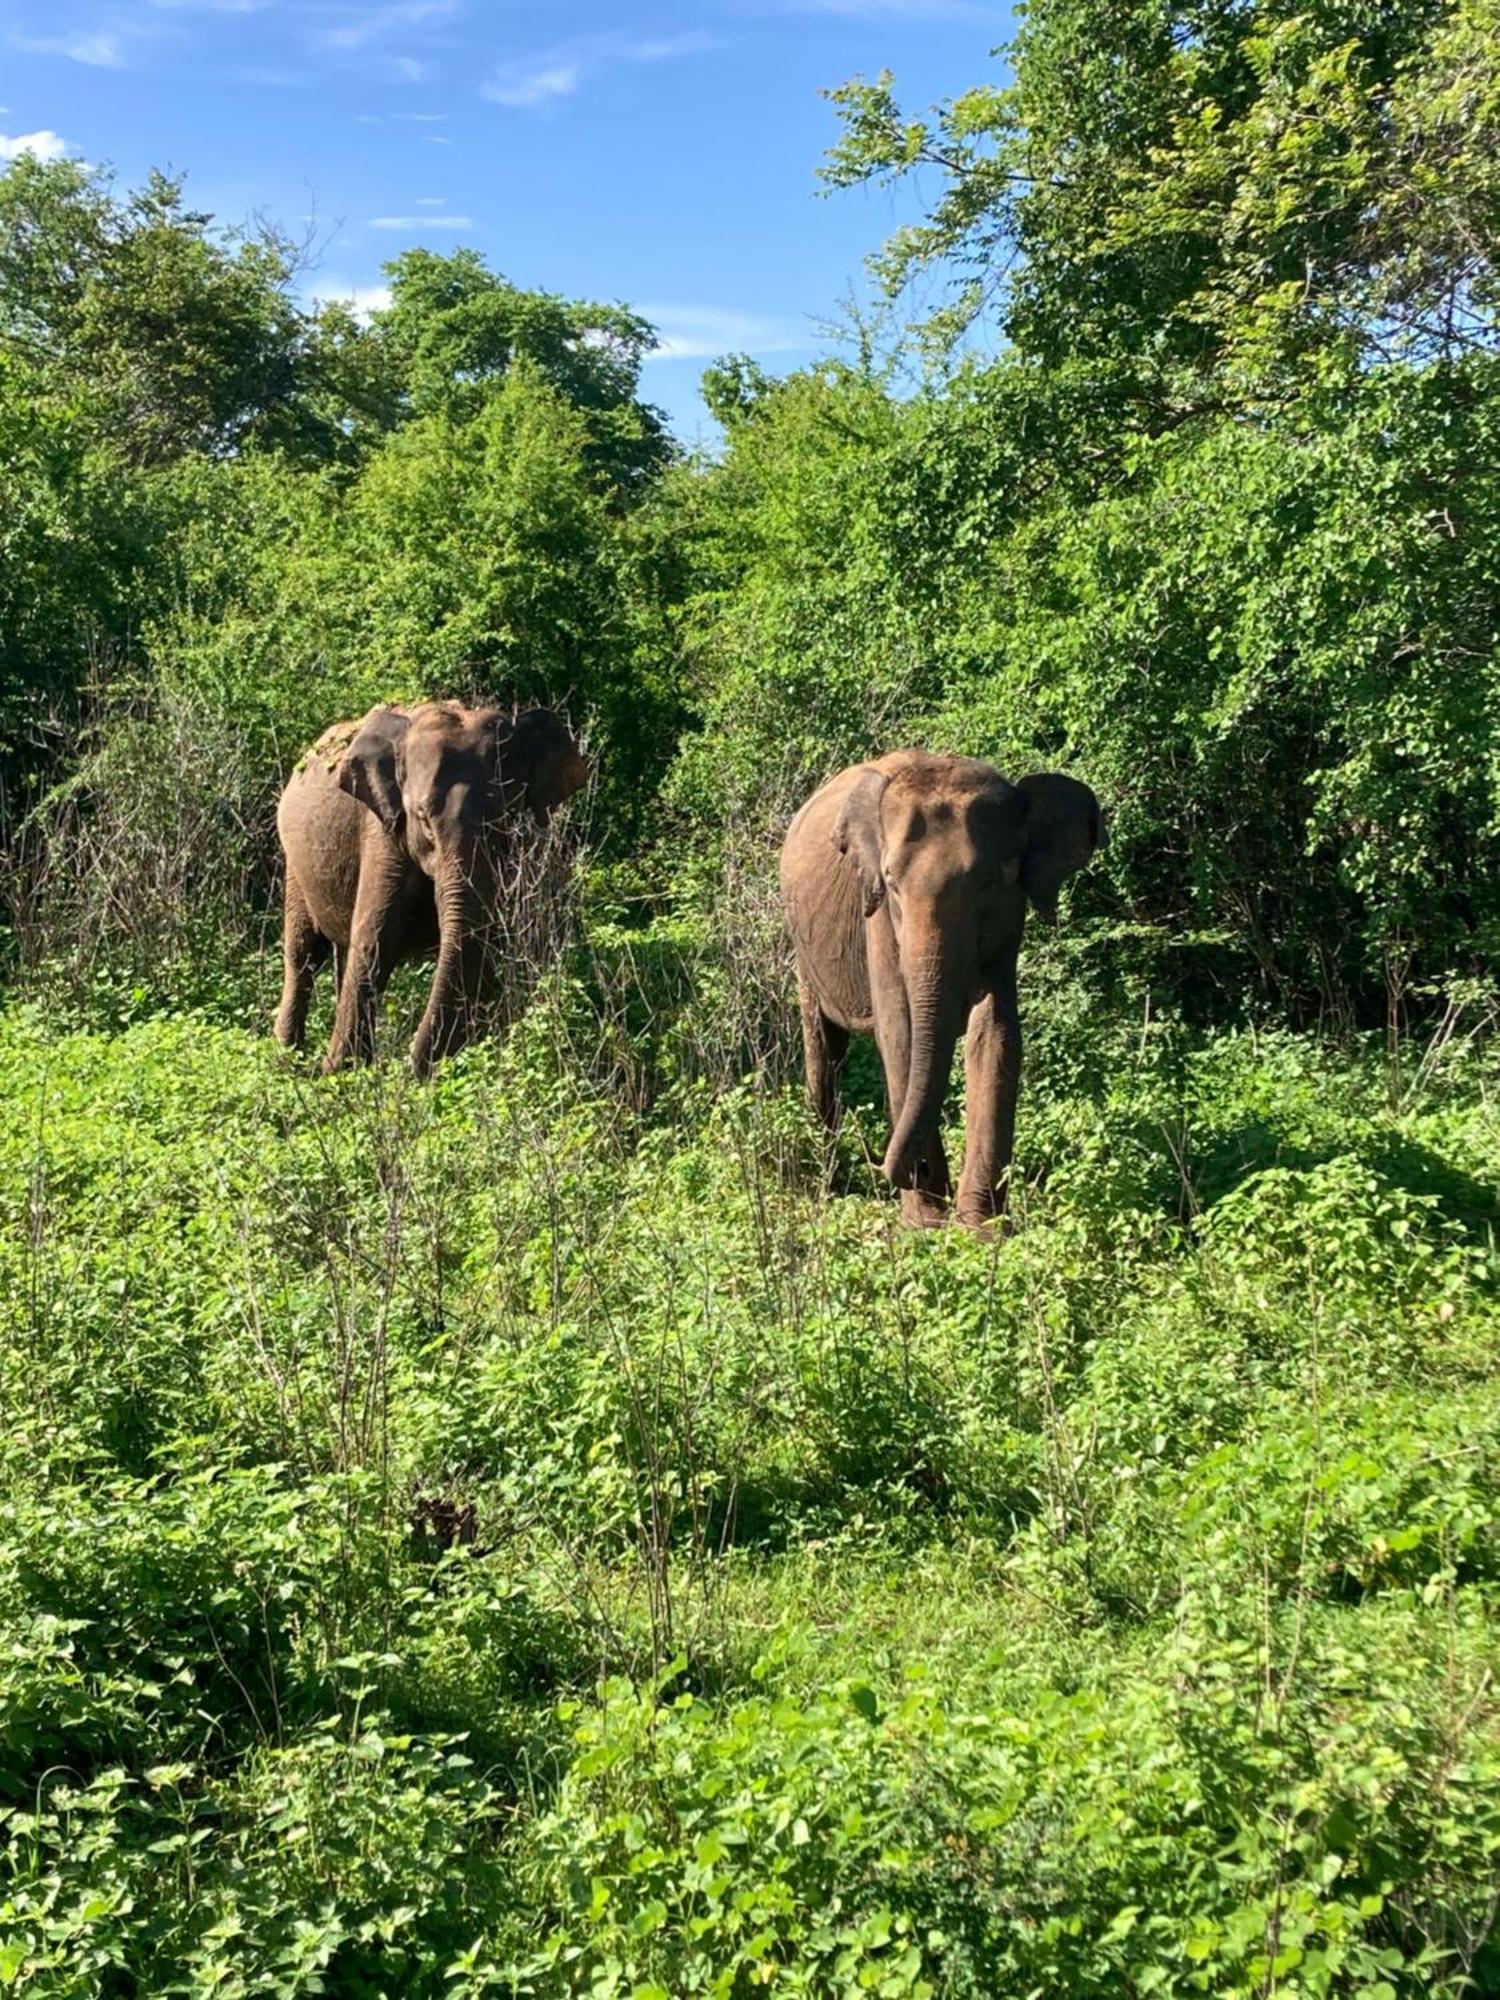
x=468 y=1539
x=545 y=1530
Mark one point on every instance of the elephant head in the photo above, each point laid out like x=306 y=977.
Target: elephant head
x=447 y=783
x=951 y=853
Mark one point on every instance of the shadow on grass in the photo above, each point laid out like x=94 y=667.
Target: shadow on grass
x=1461 y=1198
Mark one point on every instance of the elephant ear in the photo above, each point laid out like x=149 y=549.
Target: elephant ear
x=542 y=757
x=856 y=833
x=374 y=766
x=1064 y=825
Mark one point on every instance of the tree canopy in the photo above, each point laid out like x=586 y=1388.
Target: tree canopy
x=1251 y=188
x=1197 y=494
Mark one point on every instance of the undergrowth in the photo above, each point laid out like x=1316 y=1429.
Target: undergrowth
x=513 y=1535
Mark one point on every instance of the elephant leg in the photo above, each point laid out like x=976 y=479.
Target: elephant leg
x=927 y=1203
x=824 y=1047
x=368 y=964
x=306 y=951
x=367 y=967
x=888 y=1014
x=992 y=1076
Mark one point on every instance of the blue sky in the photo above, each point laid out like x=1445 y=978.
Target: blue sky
x=660 y=153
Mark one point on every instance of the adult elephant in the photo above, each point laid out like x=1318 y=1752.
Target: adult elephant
x=905 y=883
x=396 y=831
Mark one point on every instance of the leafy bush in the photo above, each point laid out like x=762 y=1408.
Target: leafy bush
x=485 y=1537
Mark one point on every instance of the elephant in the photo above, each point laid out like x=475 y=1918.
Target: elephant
x=396 y=831
x=905 y=883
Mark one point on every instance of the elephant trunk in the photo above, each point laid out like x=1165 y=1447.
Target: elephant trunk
x=464 y=897
x=936 y=989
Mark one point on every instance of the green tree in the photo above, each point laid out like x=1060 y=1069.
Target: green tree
x=175 y=339
x=132 y=340
x=1202 y=183
x=1215 y=527
x=454 y=330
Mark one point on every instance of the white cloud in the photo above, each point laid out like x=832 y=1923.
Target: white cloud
x=374 y=23
x=667 y=48
x=430 y=201
x=519 y=84
x=364 y=299
x=98 y=51
x=559 y=71
x=421 y=222
x=437 y=139
x=419 y=117
x=699 y=333
x=210 y=6
x=40 y=145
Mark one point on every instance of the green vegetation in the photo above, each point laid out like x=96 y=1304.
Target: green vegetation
x=820 y=1605
x=547 y=1530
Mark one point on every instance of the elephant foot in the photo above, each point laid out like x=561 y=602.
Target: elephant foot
x=924 y=1211
x=338 y=1060
x=986 y=1218
x=989 y=1229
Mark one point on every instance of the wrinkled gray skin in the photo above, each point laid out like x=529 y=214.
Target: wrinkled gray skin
x=395 y=830
x=905 y=884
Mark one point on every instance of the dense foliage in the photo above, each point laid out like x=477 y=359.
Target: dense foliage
x=545 y=1530
x=462 y=1540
